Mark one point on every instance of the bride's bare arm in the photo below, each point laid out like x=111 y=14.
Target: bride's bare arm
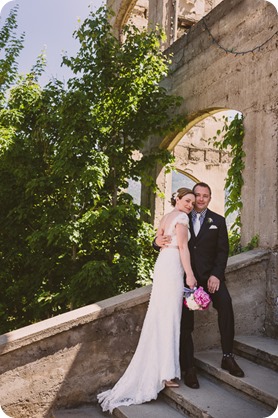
x=182 y=240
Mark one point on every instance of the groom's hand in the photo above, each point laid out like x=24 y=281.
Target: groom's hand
x=163 y=240
x=213 y=284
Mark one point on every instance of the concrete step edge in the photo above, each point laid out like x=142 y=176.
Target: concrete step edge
x=154 y=409
x=83 y=411
x=209 y=362
x=215 y=399
x=259 y=349
x=184 y=404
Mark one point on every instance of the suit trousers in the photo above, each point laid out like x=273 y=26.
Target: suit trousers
x=222 y=302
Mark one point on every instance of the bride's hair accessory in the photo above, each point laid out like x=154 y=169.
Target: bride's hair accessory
x=182 y=191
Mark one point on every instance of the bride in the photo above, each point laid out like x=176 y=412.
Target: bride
x=156 y=360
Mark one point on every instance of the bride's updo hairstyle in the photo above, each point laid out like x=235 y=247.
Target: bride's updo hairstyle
x=183 y=191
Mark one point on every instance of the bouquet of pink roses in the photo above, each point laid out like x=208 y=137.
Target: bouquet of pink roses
x=196 y=299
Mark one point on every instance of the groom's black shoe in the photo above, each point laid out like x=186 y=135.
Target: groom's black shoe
x=190 y=378
x=229 y=363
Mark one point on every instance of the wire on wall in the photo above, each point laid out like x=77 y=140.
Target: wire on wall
x=233 y=51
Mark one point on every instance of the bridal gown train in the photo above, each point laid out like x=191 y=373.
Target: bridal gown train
x=156 y=358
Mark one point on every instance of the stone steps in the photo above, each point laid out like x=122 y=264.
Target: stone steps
x=254 y=348
x=155 y=409
x=92 y=411
x=259 y=382
x=215 y=400
x=220 y=395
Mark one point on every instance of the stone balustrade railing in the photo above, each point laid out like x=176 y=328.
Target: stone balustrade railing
x=66 y=360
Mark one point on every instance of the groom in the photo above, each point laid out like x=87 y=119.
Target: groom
x=209 y=249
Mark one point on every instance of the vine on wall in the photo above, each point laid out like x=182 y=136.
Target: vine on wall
x=233 y=135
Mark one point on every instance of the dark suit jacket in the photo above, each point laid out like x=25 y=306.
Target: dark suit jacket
x=210 y=249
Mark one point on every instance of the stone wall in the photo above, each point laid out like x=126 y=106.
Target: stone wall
x=66 y=360
x=271 y=302
x=176 y=17
x=209 y=80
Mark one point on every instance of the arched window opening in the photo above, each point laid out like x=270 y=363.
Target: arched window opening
x=198 y=159
x=182 y=179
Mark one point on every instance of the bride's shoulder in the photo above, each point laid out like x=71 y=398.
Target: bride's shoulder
x=168 y=218
x=182 y=218
x=172 y=218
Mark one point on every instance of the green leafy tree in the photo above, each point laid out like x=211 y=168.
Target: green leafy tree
x=10 y=47
x=70 y=233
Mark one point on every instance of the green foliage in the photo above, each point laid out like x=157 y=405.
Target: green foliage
x=10 y=48
x=235 y=244
x=70 y=234
x=233 y=141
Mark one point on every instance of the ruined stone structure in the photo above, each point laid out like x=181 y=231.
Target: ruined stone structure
x=196 y=158
x=229 y=61
x=212 y=79
x=175 y=16
x=64 y=361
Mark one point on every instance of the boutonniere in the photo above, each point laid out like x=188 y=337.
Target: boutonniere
x=209 y=221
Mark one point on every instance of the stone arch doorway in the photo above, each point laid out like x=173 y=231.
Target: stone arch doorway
x=208 y=77
x=229 y=59
x=197 y=159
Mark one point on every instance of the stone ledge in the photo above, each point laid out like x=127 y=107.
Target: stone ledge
x=64 y=322
x=48 y=359
x=60 y=323
x=246 y=259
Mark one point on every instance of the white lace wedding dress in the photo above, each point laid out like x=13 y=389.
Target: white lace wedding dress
x=156 y=358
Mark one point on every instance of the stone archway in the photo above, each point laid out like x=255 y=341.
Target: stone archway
x=197 y=156
x=208 y=77
x=197 y=159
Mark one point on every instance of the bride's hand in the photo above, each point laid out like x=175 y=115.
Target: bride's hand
x=191 y=281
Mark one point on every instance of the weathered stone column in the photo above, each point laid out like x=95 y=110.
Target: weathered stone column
x=165 y=14
x=259 y=194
